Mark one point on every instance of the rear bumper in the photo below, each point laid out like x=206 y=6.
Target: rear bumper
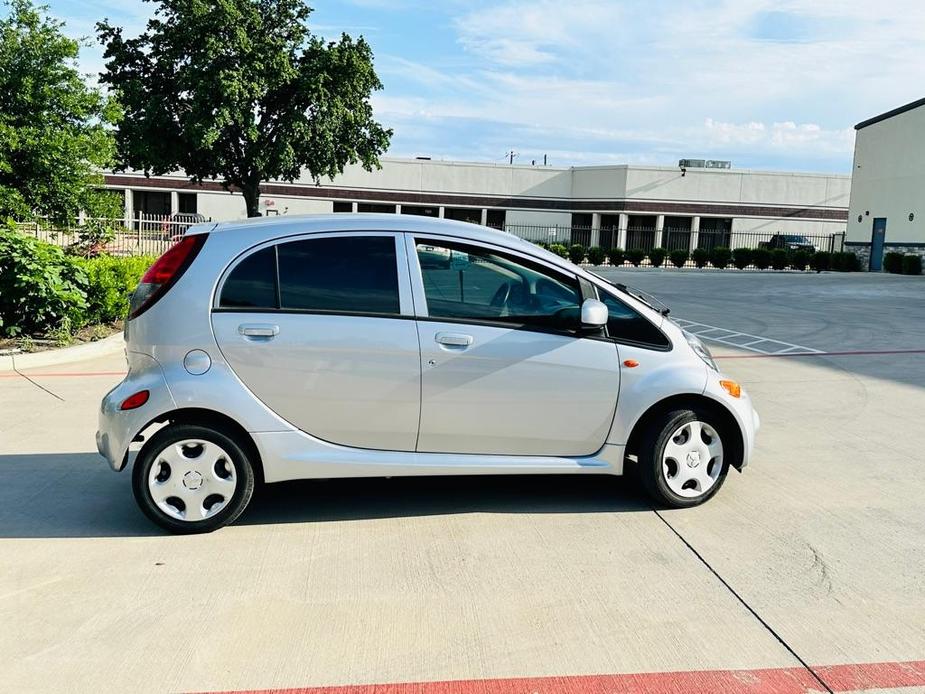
x=117 y=428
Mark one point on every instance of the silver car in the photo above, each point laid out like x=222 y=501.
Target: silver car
x=385 y=345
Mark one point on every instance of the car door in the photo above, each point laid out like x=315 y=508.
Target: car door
x=505 y=367
x=321 y=330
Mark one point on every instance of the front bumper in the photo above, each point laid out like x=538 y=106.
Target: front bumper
x=117 y=428
x=742 y=410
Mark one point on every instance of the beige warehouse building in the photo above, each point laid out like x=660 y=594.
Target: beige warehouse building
x=612 y=206
x=888 y=185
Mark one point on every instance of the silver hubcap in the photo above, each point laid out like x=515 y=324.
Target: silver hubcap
x=693 y=459
x=192 y=480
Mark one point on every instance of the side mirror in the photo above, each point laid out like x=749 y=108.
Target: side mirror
x=594 y=314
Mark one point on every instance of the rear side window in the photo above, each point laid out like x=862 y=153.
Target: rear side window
x=348 y=274
x=626 y=325
x=252 y=284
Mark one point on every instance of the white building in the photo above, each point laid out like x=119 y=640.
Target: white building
x=887 y=210
x=624 y=206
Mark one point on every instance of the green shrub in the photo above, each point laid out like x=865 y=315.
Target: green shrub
x=761 y=258
x=635 y=256
x=780 y=258
x=678 y=257
x=821 y=260
x=111 y=282
x=700 y=256
x=576 y=253
x=41 y=288
x=742 y=257
x=720 y=257
x=559 y=250
x=596 y=255
x=852 y=262
x=912 y=265
x=616 y=256
x=799 y=259
x=893 y=262
x=657 y=256
x=845 y=262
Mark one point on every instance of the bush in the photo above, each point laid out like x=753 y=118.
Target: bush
x=41 y=288
x=845 y=262
x=596 y=255
x=616 y=256
x=559 y=250
x=893 y=262
x=44 y=291
x=912 y=265
x=576 y=253
x=678 y=257
x=820 y=261
x=635 y=256
x=657 y=256
x=780 y=259
x=761 y=258
x=742 y=257
x=800 y=259
x=701 y=257
x=720 y=257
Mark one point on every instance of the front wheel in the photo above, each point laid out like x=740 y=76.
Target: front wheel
x=682 y=460
x=192 y=479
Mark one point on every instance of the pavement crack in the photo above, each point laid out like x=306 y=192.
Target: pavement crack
x=37 y=385
x=745 y=604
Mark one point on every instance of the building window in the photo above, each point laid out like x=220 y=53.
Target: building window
x=187 y=203
x=464 y=214
x=676 y=235
x=714 y=232
x=610 y=225
x=420 y=210
x=640 y=232
x=581 y=228
x=375 y=207
x=341 y=206
x=497 y=218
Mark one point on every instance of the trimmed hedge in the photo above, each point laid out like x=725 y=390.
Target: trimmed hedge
x=576 y=253
x=720 y=257
x=800 y=259
x=657 y=256
x=893 y=262
x=780 y=259
x=761 y=258
x=700 y=256
x=616 y=256
x=912 y=265
x=635 y=256
x=678 y=257
x=820 y=261
x=596 y=255
x=42 y=289
x=742 y=257
x=559 y=250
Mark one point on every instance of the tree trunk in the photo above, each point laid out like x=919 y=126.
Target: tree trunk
x=251 y=192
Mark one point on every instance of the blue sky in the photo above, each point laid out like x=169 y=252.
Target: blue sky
x=771 y=84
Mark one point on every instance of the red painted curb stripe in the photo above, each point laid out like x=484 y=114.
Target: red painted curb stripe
x=792 y=680
x=820 y=354
x=72 y=374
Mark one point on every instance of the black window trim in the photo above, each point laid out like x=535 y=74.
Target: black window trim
x=400 y=251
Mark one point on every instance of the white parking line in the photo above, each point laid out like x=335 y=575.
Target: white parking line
x=741 y=340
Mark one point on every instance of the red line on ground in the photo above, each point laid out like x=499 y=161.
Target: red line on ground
x=73 y=374
x=820 y=354
x=790 y=680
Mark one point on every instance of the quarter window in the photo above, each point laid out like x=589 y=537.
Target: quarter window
x=472 y=283
x=252 y=284
x=346 y=274
x=626 y=325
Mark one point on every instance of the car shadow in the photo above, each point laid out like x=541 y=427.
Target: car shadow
x=76 y=495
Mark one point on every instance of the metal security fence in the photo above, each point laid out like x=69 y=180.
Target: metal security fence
x=144 y=234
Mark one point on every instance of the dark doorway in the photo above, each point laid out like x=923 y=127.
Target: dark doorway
x=496 y=218
x=420 y=210
x=463 y=214
x=877 y=239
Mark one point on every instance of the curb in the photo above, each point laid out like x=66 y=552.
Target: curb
x=52 y=357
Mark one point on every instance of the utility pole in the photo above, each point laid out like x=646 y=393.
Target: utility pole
x=512 y=154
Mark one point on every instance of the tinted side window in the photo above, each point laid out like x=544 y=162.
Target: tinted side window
x=626 y=325
x=468 y=282
x=348 y=274
x=252 y=284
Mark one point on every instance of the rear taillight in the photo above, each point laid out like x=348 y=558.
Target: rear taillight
x=164 y=273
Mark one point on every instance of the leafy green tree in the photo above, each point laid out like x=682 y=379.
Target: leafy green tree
x=54 y=134
x=241 y=91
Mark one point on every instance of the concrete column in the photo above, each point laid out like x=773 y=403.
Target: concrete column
x=596 y=229
x=353 y=207
x=659 y=230
x=621 y=231
x=129 y=208
x=174 y=202
x=484 y=219
x=695 y=233
x=397 y=209
x=440 y=211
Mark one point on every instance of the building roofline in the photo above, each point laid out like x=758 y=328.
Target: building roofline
x=889 y=114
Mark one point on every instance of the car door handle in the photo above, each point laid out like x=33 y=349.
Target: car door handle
x=258 y=330
x=454 y=339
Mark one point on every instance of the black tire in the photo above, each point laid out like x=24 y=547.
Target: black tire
x=652 y=445
x=172 y=434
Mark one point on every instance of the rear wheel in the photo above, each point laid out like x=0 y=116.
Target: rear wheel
x=682 y=458
x=192 y=479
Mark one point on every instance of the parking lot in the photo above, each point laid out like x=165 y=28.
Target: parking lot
x=806 y=572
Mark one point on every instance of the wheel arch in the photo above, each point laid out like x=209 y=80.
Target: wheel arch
x=698 y=403
x=216 y=420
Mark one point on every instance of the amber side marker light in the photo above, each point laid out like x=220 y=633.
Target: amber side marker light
x=731 y=387
x=136 y=400
x=630 y=363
